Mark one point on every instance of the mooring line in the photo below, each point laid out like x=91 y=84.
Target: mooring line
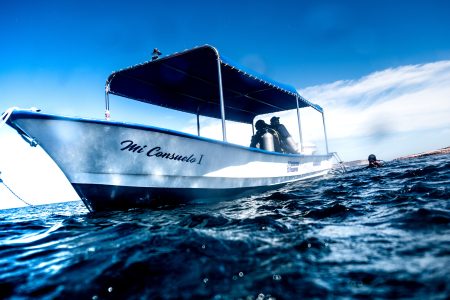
x=3 y=119
x=17 y=196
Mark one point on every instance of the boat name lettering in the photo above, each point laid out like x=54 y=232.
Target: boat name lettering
x=132 y=147
x=157 y=152
x=293 y=166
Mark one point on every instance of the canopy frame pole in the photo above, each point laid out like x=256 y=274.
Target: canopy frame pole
x=299 y=126
x=198 y=121
x=222 y=104
x=325 y=132
x=107 y=112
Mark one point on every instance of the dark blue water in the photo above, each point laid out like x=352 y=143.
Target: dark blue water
x=369 y=233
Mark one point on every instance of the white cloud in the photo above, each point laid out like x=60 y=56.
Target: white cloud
x=237 y=133
x=382 y=85
x=396 y=101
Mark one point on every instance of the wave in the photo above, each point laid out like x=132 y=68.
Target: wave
x=369 y=233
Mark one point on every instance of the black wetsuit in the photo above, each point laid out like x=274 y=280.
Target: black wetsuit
x=283 y=134
x=374 y=164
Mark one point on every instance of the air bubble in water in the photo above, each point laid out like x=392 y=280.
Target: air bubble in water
x=276 y=277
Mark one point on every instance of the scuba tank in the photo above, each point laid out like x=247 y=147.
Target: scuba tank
x=267 y=142
x=287 y=142
x=291 y=146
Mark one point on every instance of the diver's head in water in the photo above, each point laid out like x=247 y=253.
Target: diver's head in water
x=373 y=162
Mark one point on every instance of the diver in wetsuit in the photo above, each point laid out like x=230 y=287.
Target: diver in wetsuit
x=287 y=142
x=373 y=162
x=265 y=137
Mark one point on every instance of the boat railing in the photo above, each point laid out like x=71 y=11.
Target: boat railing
x=340 y=161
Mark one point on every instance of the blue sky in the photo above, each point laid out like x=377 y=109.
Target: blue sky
x=379 y=68
x=301 y=42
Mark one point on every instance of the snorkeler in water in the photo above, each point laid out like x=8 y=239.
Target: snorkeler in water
x=373 y=162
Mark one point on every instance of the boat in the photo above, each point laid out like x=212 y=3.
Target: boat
x=119 y=165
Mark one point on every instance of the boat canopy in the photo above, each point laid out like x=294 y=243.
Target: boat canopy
x=190 y=81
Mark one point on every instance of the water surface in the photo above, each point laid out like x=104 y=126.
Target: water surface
x=368 y=233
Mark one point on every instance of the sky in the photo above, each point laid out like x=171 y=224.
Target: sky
x=380 y=69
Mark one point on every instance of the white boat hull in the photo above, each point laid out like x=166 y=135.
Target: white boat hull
x=119 y=165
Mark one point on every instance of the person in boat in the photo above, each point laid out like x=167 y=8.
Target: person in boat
x=265 y=137
x=373 y=162
x=286 y=141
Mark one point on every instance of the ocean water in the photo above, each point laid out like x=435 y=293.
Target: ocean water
x=368 y=233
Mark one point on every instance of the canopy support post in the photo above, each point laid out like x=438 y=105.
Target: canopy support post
x=222 y=104
x=198 y=121
x=107 y=113
x=299 y=126
x=325 y=132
